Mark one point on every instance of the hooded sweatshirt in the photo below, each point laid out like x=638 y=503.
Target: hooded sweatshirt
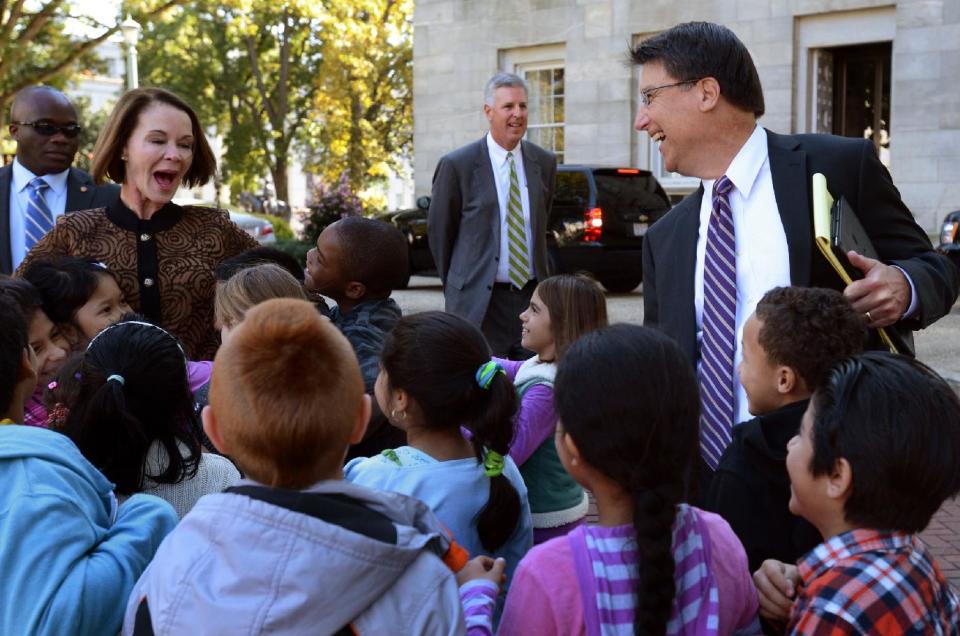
x=69 y=556
x=751 y=489
x=257 y=560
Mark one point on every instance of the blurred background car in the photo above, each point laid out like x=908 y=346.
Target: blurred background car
x=597 y=224
x=259 y=228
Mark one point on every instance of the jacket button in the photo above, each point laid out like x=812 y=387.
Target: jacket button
x=148 y=282
x=144 y=237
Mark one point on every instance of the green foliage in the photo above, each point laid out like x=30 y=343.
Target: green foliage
x=329 y=79
x=330 y=203
x=92 y=122
x=35 y=47
x=296 y=249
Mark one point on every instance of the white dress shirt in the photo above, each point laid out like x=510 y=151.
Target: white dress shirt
x=763 y=261
x=501 y=173
x=763 y=258
x=55 y=197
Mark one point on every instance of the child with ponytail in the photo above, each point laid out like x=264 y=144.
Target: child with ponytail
x=628 y=432
x=562 y=309
x=134 y=417
x=436 y=376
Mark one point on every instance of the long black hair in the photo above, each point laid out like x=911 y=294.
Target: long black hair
x=434 y=357
x=134 y=392
x=628 y=398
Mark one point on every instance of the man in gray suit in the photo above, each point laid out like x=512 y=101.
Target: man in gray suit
x=488 y=219
x=40 y=185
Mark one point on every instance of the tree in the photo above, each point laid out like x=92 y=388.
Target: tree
x=35 y=47
x=274 y=75
x=365 y=101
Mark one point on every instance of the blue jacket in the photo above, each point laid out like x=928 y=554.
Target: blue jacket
x=69 y=556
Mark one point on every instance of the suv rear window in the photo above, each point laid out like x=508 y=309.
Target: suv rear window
x=637 y=191
x=572 y=190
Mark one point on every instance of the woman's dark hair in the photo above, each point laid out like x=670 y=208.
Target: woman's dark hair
x=694 y=50
x=628 y=398
x=134 y=392
x=897 y=423
x=65 y=283
x=434 y=356
x=108 y=151
x=24 y=296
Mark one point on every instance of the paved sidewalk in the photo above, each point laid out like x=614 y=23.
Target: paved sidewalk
x=943 y=537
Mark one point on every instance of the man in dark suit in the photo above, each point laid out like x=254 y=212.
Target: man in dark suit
x=709 y=261
x=40 y=185
x=488 y=219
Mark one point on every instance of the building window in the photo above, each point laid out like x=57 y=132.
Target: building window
x=545 y=119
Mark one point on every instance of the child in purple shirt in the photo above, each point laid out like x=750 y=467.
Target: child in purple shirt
x=635 y=450
x=561 y=310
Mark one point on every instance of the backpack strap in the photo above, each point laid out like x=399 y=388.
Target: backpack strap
x=587 y=583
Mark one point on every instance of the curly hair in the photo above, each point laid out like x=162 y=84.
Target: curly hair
x=809 y=329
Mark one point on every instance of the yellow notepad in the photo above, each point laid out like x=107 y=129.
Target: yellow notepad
x=822 y=227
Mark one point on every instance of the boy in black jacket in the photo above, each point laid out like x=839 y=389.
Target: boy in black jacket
x=790 y=345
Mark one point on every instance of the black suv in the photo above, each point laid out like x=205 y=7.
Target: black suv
x=597 y=223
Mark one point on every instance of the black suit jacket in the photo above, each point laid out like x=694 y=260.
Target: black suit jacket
x=854 y=171
x=82 y=194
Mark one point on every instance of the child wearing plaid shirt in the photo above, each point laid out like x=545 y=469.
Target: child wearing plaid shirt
x=878 y=452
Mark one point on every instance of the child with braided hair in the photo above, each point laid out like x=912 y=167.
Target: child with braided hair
x=628 y=432
x=436 y=376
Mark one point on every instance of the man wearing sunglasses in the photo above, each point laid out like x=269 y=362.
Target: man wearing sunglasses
x=40 y=184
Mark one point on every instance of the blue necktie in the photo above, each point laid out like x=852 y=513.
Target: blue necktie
x=39 y=218
x=719 y=328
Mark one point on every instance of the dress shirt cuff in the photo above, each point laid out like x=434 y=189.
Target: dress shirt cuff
x=913 y=295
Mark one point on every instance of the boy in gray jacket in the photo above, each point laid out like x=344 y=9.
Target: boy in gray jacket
x=294 y=549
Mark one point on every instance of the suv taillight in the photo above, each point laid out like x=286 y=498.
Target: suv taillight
x=592 y=224
x=266 y=230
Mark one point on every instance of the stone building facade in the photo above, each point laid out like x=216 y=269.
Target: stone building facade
x=884 y=69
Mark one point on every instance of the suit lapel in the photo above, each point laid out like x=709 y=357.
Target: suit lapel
x=532 y=171
x=79 y=191
x=788 y=170
x=678 y=280
x=485 y=183
x=6 y=257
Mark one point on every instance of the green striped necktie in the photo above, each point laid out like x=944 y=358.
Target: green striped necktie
x=516 y=233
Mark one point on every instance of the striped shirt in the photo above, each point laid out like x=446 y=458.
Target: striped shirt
x=873 y=582
x=613 y=560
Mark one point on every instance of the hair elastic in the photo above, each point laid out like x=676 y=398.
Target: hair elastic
x=487 y=372
x=116 y=378
x=492 y=462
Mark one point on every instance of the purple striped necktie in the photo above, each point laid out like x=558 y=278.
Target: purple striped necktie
x=719 y=328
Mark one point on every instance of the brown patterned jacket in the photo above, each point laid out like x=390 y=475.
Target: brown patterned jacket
x=164 y=265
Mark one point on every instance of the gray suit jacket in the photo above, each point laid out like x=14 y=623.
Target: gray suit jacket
x=82 y=194
x=463 y=224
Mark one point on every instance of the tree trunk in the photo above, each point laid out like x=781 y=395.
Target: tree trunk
x=279 y=173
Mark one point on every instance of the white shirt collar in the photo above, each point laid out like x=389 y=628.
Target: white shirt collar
x=745 y=167
x=22 y=178
x=498 y=154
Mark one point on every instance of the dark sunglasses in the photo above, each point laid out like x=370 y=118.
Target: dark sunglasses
x=47 y=129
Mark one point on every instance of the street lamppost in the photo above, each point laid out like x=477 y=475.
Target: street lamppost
x=131 y=33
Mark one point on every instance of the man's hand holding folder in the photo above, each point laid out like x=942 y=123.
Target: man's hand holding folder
x=883 y=292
